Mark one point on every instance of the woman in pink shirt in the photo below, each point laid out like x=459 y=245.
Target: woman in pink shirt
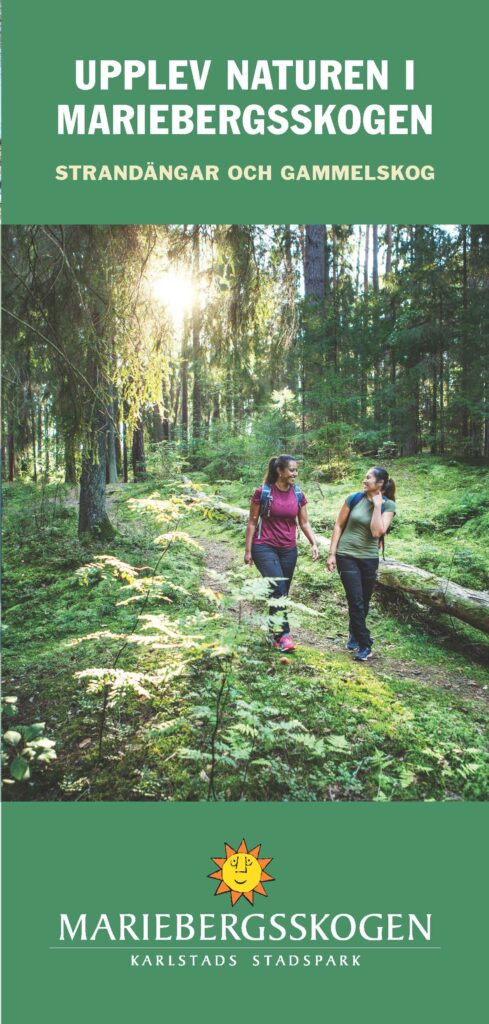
x=271 y=538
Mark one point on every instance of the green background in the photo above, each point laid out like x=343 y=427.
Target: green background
x=151 y=857
x=134 y=858
x=448 y=42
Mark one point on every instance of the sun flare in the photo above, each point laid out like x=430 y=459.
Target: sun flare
x=174 y=290
x=241 y=872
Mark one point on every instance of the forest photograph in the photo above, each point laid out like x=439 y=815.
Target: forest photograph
x=245 y=512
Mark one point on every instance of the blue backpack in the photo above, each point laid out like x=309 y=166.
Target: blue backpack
x=354 y=501
x=266 y=502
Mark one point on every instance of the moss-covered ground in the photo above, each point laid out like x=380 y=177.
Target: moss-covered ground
x=146 y=656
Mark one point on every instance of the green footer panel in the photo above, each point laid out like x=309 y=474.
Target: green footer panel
x=353 y=913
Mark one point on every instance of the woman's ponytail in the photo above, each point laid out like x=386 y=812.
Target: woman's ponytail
x=390 y=489
x=276 y=463
x=388 y=484
x=272 y=471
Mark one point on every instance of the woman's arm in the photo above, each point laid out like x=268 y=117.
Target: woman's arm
x=308 y=532
x=250 y=531
x=339 y=526
x=379 y=523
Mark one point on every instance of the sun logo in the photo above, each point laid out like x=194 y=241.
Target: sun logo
x=241 y=872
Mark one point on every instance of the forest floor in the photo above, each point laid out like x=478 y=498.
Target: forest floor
x=220 y=558
x=147 y=660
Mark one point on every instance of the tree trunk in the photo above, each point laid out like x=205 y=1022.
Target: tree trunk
x=377 y=336
x=477 y=353
x=388 y=255
x=157 y=424
x=164 y=416
x=434 y=406
x=366 y=262
x=111 y=450
x=47 y=465
x=176 y=402
x=364 y=357
x=57 y=445
x=216 y=408
x=70 y=463
x=138 y=456
x=375 y=258
x=229 y=391
x=471 y=606
x=289 y=310
x=333 y=347
x=11 y=456
x=184 y=418
x=117 y=440
x=315 y=262
x=125 y=454
x=359 y=257
x=315 y=333
x=93 y=518
x=465 y=353
x=39 y=436
x=196 y=327
x=33 y=435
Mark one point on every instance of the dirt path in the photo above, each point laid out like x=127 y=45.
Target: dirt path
x=220 y=559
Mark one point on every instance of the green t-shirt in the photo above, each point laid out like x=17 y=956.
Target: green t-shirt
x=356 y=539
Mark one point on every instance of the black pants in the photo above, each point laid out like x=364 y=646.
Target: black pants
x=273 y=562
x=358 y=576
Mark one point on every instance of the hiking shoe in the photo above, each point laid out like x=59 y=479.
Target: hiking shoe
x=363 y=654
x=352 y=644
x=285 y=643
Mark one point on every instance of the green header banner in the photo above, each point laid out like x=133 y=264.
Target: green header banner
x=116 y=113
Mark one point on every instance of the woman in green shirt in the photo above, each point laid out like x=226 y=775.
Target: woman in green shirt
x=362 y=521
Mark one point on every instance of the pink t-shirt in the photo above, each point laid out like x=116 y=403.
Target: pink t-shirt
x=279 y=528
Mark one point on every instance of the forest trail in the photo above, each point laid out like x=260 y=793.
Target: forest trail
x=219 y=560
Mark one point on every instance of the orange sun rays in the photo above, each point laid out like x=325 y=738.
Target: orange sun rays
x=257 y=887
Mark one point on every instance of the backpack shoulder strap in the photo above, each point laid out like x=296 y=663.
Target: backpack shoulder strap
x=356 y=498
x=298 y=493
x=265 y=501
x=265 y=496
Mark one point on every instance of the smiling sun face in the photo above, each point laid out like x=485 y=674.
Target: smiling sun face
x=241 y=872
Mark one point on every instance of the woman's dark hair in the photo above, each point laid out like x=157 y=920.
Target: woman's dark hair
x=388 y=485
x=278 y=462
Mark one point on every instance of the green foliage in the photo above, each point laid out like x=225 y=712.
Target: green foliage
x=469 y=506
x=165 y=459
x=159 y=685
x=23 y=746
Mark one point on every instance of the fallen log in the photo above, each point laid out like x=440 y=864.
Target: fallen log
x=470 y=606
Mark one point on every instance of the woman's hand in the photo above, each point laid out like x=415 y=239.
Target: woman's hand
x=331 y=563
x=377 y=528
x=314 y=552
x=248 y=559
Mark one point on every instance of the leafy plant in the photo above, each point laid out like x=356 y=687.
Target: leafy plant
x=23 y=746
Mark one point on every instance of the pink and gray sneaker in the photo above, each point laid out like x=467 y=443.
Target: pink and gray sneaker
x=285 y=643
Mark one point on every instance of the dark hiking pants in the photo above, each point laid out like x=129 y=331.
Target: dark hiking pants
x=358 y=576
x=276 y=562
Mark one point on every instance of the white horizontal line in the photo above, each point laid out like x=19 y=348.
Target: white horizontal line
x=245 y=949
